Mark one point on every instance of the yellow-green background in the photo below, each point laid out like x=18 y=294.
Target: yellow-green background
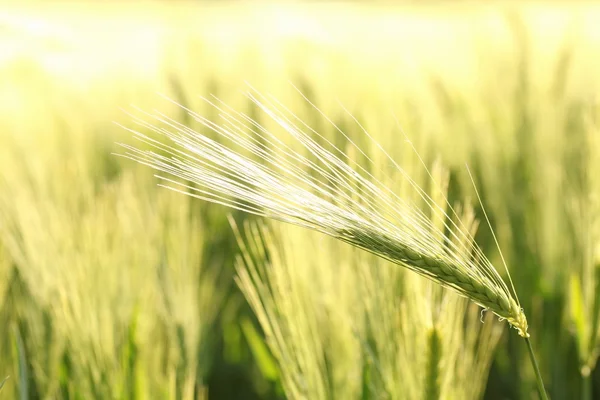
x=89 y=308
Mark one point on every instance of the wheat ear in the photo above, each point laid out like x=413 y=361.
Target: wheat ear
x=314 y=187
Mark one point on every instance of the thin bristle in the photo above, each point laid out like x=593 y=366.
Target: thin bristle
x=319 y=191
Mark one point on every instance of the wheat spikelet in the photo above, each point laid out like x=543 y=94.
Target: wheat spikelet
x=319 y=190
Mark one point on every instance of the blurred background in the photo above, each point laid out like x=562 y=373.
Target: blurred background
x=112 y=287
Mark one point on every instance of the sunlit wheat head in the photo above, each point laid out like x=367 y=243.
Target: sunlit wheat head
x=249 y=168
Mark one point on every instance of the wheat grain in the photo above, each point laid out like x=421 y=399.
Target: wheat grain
x=319 y=191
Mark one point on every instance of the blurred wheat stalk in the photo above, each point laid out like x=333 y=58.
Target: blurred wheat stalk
x=583 y=209
x=116 y=301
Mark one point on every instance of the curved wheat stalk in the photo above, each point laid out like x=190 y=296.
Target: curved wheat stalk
x=316 y=190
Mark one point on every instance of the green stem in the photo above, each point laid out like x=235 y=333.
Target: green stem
x=538 y=375
x=586 y=393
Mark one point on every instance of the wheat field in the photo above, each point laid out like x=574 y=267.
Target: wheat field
x=114 y=287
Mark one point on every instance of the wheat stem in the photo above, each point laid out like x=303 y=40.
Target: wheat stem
x=432 y=376
x=586 y=383
x=538 y=374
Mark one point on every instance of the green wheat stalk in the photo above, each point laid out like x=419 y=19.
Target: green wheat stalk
x=319 y=191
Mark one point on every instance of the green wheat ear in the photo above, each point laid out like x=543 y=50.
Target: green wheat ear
x=317 y=189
